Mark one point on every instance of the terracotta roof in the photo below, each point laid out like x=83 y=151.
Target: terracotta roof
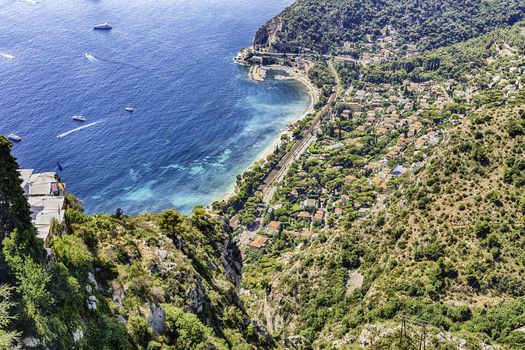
x=377 y=181
x=274 y=225
x=319 y=216
x=258 y=242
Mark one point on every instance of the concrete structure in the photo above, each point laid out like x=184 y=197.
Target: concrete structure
x=40 y=184
x=25 y=175
x=43 y=210
x=43 y=195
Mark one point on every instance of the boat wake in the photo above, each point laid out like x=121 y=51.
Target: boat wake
x=122 y=64
x=7 y=56
x=78 y=129
x=90 y=57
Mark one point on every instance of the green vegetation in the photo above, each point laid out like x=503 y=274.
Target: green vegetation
x=354 y=27
x=409 y=206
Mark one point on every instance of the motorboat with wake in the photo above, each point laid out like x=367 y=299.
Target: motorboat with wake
x=79 y=118
x=130 y=109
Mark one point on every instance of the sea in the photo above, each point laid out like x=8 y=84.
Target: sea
x=198 y=120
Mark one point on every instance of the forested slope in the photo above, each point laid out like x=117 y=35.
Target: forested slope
x=445 y=247
x=325 y=25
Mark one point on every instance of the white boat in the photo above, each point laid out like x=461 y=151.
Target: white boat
x=14 y=137
x=103 y=26
x=130 y=109
x=79 y=118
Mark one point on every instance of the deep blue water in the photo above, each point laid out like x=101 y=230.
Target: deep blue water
x=198 y=121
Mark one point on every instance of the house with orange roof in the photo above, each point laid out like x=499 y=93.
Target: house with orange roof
x=258 y=243
x=304 y=215
x=274 y=227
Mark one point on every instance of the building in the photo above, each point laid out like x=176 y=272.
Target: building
x=309 y=203
x=235 y=222
x=45 y=195
x=274 y=227
x=304 y=215
x=319 y=217
x=44 y=184
x=45 y=209
x=25 y=175
x=258 y=243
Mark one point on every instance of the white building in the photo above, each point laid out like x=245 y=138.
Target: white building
x=45 y=198
x=43 y=210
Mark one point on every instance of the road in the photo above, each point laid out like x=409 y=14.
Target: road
x=327 y=57
x=300 y=146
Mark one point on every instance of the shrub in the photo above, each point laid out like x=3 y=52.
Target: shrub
x=72 y=251
x=138 y=330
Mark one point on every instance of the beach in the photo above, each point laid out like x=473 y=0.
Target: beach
x=313 y=93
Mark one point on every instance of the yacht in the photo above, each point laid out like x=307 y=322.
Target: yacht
x=79 y=118
x=14 y=137
x=103 y=26
x=130 y=109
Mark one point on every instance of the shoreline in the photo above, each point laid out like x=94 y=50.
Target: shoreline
x=313 y=94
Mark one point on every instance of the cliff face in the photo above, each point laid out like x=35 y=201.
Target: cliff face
x=269 y=34
x=154 y=277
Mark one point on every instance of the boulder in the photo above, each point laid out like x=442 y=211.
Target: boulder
x=92 y=302
x=156 y=319
x=31 y=342
x=78 y=335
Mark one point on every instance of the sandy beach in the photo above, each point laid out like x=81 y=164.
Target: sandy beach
x=312 y=91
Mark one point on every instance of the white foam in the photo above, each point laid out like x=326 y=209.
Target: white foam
x=78 y=129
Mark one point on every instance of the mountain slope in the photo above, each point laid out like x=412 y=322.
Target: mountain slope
x=325 y=26
x=444 y=246
x=448 y=246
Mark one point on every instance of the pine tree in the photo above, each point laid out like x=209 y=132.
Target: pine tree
x=15 y=213
x=14 y=210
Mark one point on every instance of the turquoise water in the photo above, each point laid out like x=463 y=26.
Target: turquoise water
x=198 y=121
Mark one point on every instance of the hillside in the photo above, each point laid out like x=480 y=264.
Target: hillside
x=352 y=27
x=408 y=209
x=446 y=248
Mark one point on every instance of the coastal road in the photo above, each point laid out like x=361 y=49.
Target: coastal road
x=299 y=147
x=327 y=57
